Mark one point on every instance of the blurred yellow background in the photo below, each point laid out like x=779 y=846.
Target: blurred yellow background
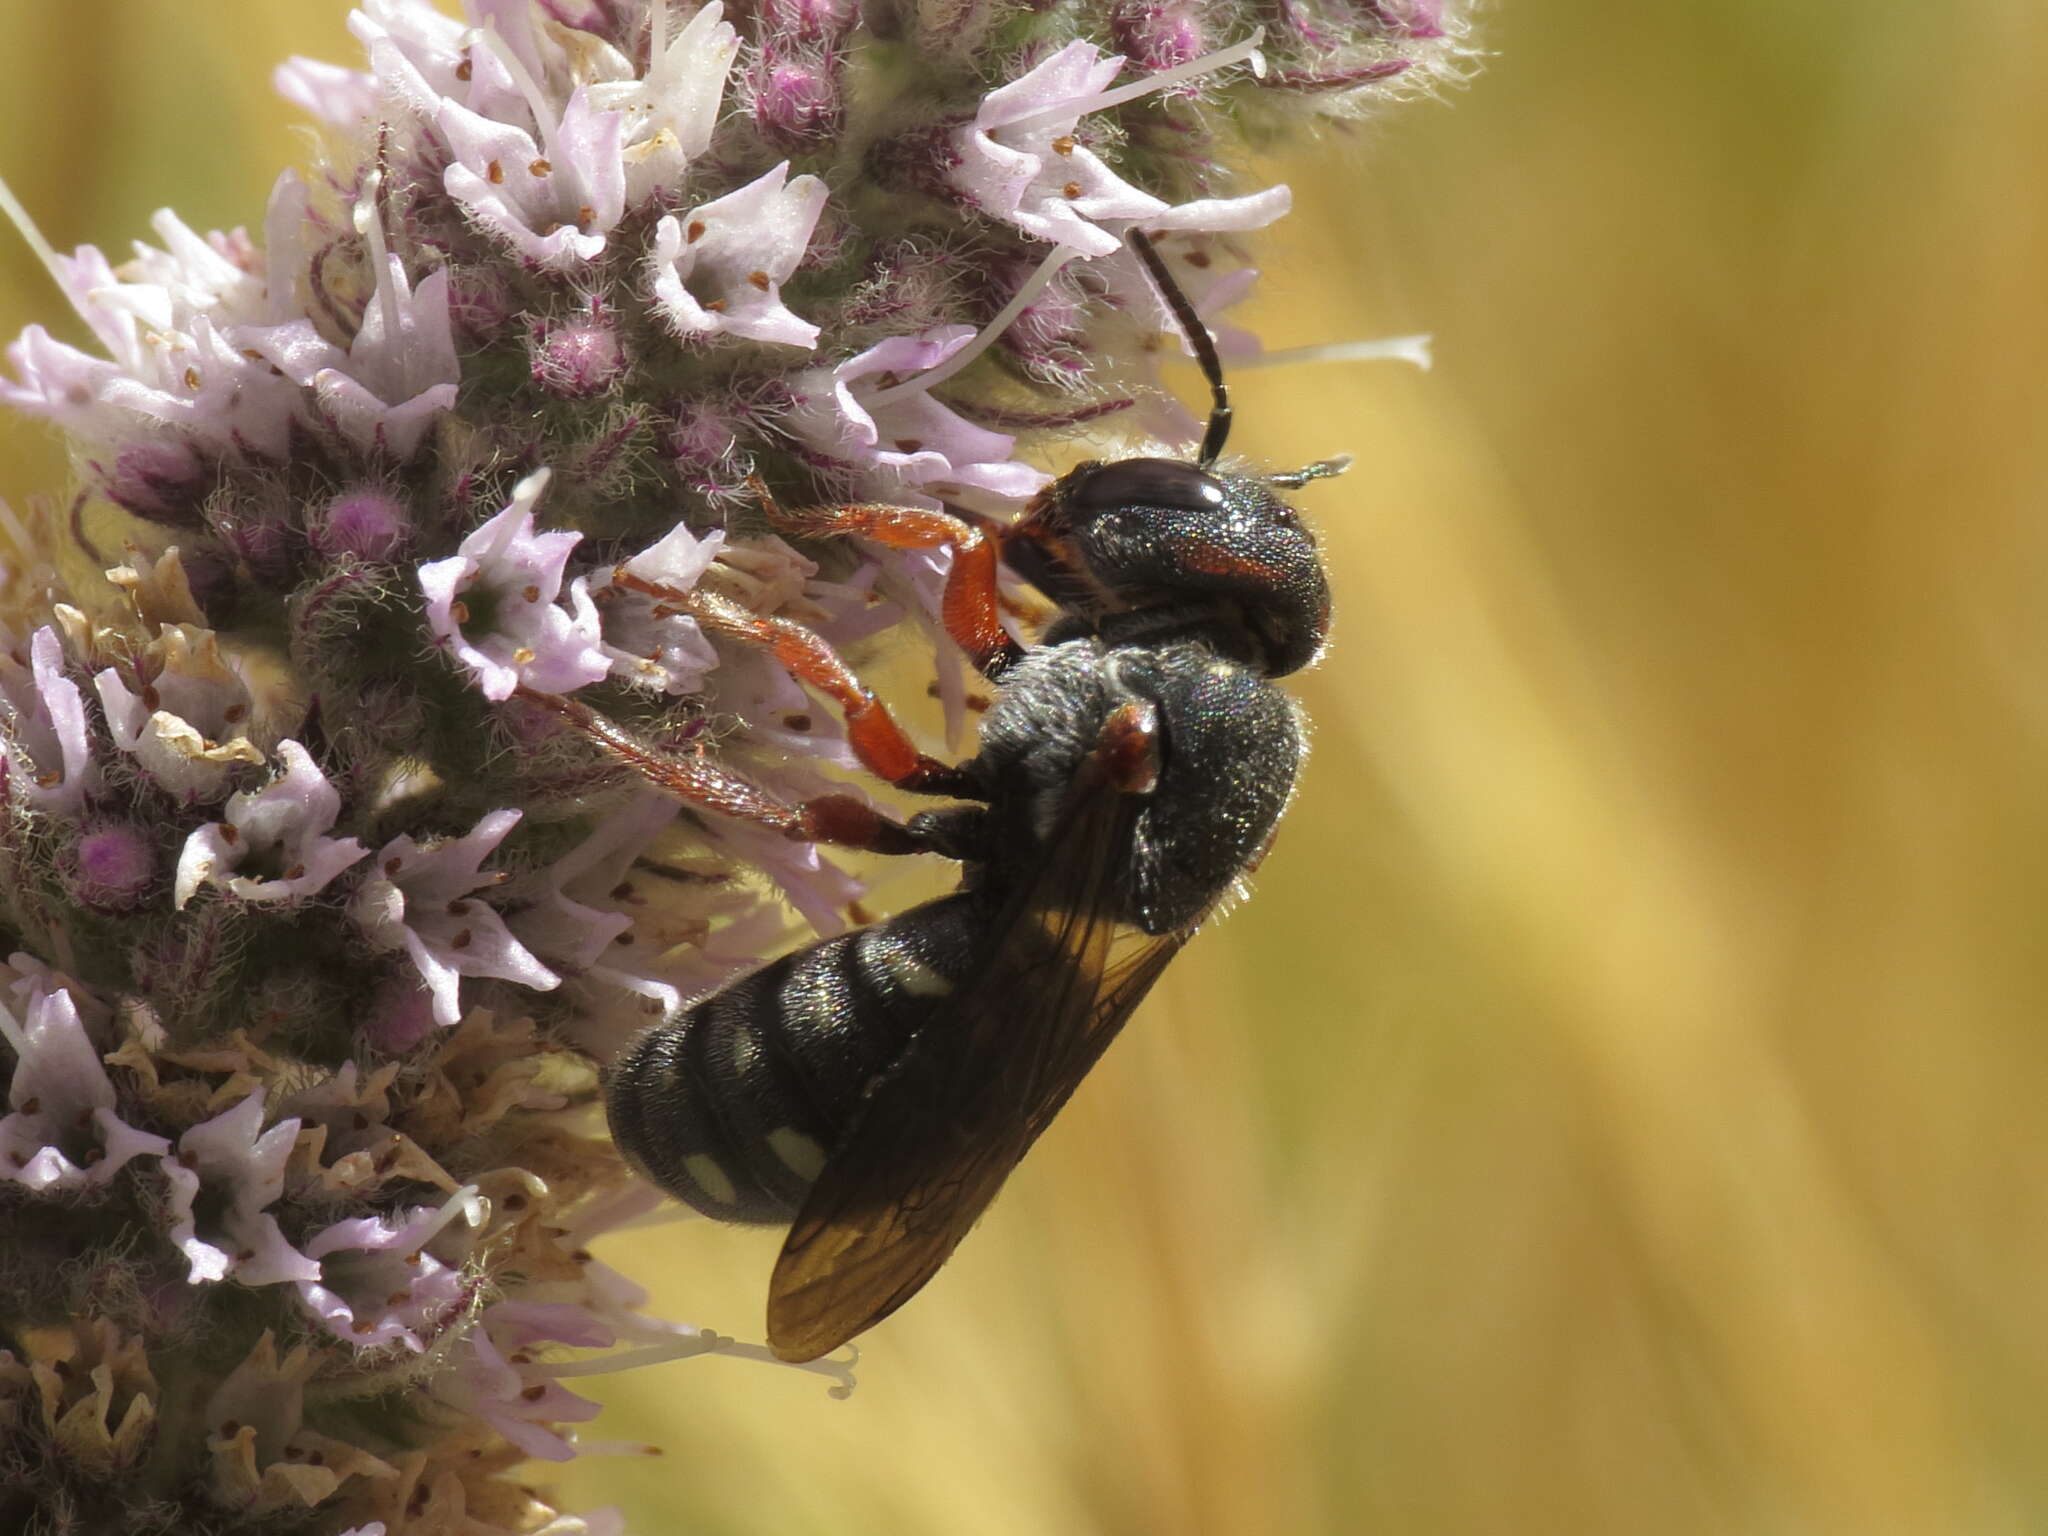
x=1620 y=1109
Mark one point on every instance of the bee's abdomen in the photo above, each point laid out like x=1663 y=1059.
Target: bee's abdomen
x=736 y=1106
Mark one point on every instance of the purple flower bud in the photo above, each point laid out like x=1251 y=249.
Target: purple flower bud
x=111 y=869
x=367 y=523
x=705 y=444
x=805 y=20
x=576 y=358
x=1158 y=34
x=263 y=544
x=161 y=479
x=701 y=436
x=389 y=713
x=797 y=99
x=400 y=1016
x=480 y=301
x=583 y=15
x=1051 y=332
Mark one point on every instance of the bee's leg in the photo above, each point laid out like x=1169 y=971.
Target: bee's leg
x=696 y=780
x=972 y=606
x=692 y=778
x=877 y=740
x=848 y=822
x=960 y=832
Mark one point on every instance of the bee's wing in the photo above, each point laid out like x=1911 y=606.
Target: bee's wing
x=941 y=1130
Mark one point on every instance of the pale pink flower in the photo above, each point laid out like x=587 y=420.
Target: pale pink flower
x=399 y=372
x=280 y=830
x=719 y=269
x=378 y=1282
x=653 y=644
x=907 y=443
x=243 y=1167
x=61 y=1134
x=493 y=605
x=1020 y=161
x=499 y=1381
x=554 y=200
x=47 y=737
x=670 y=112
x=421 y=899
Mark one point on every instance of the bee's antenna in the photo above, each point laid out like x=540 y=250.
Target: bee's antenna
x=1199 y=338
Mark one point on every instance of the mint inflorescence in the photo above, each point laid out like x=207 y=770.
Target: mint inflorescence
x=320 y=915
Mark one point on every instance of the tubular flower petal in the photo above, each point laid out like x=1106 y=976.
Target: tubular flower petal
x=45 y=724
x=280 y=829
x=719 y=269
x=421 y=900
x=911 y=442
x=651 y=643
x=493 y=605
x=62 y=1133
x=1020 y=160
x=553 y=200
x=241 y=1165
x=378 y=1283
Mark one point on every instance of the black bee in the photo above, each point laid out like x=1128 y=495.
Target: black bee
x=875 y=1089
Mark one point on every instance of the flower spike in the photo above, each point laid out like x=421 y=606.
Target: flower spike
x=510 y=504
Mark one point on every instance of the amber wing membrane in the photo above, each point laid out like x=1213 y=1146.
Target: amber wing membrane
x=941 y=1130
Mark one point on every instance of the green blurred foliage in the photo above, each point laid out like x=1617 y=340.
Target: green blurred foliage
x=1617 y=1110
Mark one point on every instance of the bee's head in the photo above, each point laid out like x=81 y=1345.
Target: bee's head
x=1110 y=538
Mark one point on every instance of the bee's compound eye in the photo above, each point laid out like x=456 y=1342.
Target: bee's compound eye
x=1167 y=484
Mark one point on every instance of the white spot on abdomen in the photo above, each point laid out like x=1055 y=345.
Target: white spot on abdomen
x=799 y=1153
x=705 y=1173
x=917 y=978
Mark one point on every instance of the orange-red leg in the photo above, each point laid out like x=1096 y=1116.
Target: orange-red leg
x=971 y=609
x=877 y=740
x=696 y=780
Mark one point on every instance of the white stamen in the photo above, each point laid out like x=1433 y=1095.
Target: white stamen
x=613 y=1447
x=466 y=1203
x=705 y=1343
x=524 y=495
x=839 y=1367
x=536 y=99
x=657 y=34
x=12 y=525
x=1207 y=64
x=1391 y=349
x=11 y=1030
x=30 y=235
x=1034 y=285
x=371 y=228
